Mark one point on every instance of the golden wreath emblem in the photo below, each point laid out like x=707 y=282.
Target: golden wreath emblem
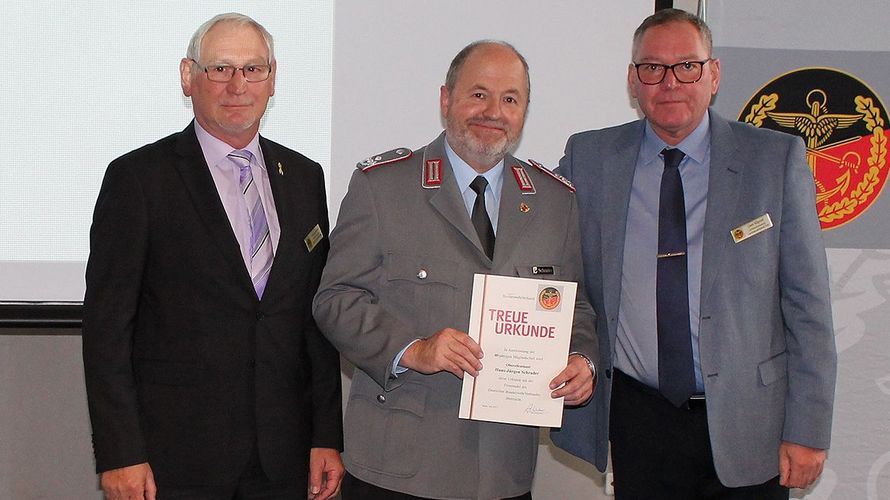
x=843 y=123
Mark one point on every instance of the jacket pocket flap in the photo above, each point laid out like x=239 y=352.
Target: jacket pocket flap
x=409 y=397
x=773 y=369
x=420 y=270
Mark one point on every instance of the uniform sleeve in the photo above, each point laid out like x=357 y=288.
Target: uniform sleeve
x=347 y=306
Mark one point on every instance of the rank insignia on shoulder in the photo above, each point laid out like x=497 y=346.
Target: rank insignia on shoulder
x=391 y=156
x=526 y=186
x=546 y=171
x=432 y=174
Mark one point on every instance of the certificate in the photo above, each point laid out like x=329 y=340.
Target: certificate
x=524 y=327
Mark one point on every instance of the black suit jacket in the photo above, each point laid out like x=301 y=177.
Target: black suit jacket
x=185 y=368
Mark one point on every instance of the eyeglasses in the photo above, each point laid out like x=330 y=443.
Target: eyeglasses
x=222 y=73
x=684 y=72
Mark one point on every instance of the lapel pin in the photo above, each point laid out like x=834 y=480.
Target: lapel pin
x=524 y=208
x=280 y=169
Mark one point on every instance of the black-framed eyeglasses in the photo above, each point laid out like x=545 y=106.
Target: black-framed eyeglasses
x=222 y=73
x=684 y=71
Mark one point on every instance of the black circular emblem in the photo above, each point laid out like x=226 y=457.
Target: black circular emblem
x=843 y=123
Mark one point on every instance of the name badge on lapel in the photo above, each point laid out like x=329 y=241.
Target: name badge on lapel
x=313 y=238
x=751 y=228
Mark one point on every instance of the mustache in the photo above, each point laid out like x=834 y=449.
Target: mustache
x=485 y=122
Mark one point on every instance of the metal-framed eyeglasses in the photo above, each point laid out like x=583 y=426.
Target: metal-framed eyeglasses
x=684 y=71
x=222 y=73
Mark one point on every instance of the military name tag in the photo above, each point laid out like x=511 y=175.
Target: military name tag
x=313 y=237
x=751 y=228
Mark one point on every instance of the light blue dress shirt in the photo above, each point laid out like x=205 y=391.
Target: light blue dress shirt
x=464 y=175
x=636 y=346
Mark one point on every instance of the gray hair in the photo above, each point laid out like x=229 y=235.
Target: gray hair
x=461 y=58
x=667 y=16
x=194 y=49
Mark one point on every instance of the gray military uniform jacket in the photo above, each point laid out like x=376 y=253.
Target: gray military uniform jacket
x=401 y=267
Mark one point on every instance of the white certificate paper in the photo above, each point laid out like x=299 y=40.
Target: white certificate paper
x=524 y=327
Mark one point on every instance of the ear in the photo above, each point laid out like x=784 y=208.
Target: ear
x=444 y=97
x=715 y=76
x=272 y=78
x=632 y=80
x=185 y=76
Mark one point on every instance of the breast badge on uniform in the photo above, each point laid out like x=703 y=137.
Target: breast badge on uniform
x=844 y=125
x=391 y=156
x=546 y=171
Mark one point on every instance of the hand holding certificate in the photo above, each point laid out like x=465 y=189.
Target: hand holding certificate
x=524 y=327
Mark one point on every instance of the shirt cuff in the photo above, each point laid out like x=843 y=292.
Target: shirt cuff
x=589 y=363
x=396 y=368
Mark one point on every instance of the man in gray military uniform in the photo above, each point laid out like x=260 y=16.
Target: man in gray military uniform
x=395 y=294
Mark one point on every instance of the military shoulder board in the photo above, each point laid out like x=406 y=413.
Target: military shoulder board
x=567 y=183
x=391 y=156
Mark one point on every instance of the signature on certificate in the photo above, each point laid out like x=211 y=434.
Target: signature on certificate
x=531 y=409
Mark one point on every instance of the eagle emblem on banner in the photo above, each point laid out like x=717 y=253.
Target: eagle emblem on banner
x=844 y=125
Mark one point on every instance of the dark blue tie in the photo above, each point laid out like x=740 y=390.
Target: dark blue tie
x=676 y=378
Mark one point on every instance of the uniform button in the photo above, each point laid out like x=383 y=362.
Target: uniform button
x=251 y=364
x=421 y=274
x=381 y=398
x=260 y=315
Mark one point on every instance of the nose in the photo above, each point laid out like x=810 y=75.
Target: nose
x=238 y=83
x=493 y=109
x=670 y=79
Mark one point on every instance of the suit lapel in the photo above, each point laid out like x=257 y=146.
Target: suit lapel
x=447 y=199
x=723 y=193
x=511 y=221
x=617 y=178
x=195 y=174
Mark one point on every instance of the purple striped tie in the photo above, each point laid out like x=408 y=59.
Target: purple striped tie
x=260 y=242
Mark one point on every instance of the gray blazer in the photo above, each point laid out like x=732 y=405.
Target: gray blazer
x=766 y=339
x=403 y=433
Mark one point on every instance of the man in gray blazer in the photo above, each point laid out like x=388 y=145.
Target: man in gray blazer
x=396 y=291
x=718 y=379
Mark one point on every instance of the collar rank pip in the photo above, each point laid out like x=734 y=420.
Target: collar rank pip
x=526 y=186
x=392 y=156
x=546 y=171
x=432 y=174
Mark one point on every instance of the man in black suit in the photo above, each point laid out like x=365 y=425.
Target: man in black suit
x=206 y=374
